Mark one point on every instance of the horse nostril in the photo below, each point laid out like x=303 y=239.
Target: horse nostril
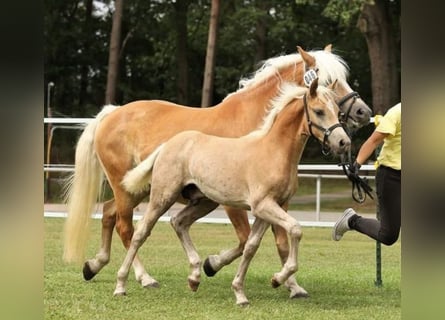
x=344 y=143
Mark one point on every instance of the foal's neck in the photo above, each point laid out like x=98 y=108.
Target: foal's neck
x=244 y=110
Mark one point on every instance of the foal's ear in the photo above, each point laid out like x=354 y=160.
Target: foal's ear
x=333 y=85
x=313 y=88
x=307 y=58
x=328 y=48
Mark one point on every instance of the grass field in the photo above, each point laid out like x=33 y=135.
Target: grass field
x=339 y=277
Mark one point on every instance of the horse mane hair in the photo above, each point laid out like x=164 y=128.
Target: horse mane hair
x=330 y=67
x=288 y=92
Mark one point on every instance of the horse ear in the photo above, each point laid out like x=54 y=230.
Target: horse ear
x=333 y=85
x=313 y=88
x=307 y=58
x=328 y=48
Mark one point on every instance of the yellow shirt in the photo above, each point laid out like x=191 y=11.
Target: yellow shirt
x=391 y=123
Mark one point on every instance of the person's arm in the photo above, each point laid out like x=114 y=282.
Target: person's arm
x=369 y=146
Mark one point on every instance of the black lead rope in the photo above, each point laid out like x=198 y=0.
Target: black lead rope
x=360 y=186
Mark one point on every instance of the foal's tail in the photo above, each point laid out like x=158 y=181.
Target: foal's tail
x=138 y=179
x=82 y=190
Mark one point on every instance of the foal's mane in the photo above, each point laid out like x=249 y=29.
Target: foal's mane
x=330 y=67
x=288 y=92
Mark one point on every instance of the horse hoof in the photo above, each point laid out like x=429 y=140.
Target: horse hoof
x=209 y=271
x=119 y=294
x=154 y=284
x=243 y=304
x=193 y=285
x=87 y=273
x=300 y=295
x=275 y=283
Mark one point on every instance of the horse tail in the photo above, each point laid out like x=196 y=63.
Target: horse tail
x=138 y=179
x=82 y=190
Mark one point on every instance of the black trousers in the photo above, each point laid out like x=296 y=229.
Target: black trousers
x=387 y=229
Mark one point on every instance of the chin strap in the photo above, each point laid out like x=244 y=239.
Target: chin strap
x=360 y=186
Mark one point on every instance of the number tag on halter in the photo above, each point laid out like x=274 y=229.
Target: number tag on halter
x=309 y=76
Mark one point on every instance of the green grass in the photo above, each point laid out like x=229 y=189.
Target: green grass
x=339 y=277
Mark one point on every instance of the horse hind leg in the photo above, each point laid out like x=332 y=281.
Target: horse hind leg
x=143 y=230
x=93 y=266
x=240 y=222
x=125 y=203
x=258 y=229
x=181 y=223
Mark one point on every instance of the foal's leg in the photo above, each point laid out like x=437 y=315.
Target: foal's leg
x=143 y=230
x=240 y=222
x=271 y=212
x=259 y=227
x=181 y=222
x=282 y=243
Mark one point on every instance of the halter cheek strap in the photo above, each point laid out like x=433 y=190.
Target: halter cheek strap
x=326 y=132
x=343 y=116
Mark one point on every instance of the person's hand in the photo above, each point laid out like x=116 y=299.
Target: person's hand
x=354 y=169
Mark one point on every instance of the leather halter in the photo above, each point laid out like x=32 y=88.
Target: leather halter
x=343 y=116
x=326 y=132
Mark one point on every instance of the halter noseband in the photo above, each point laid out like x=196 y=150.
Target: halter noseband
x=326 y=132
x=343 y=116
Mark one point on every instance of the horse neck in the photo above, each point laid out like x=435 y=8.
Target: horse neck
x=289 y=132
x=245 y=109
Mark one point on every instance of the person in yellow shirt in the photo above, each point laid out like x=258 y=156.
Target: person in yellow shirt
x=388 y=176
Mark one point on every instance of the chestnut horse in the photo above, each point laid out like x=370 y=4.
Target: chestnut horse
x=256 y=172
x=121 y=137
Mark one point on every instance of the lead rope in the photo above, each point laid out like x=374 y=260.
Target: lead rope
x=360 y=186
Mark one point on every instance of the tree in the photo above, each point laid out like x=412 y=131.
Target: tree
x=182 y=81
x=376 y=25
x=207 y=87
x=114 y=53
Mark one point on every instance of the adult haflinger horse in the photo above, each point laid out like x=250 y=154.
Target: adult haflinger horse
x=119 y=138
x=256 y=172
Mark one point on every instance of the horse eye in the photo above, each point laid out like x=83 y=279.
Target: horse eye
x=319 y=112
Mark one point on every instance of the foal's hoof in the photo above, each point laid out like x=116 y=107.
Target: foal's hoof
x=300 y=295
x=275 y=283
x=193 y=285
x=119 y=293
x=243 y=304
x=87 y=273
x=209 y=271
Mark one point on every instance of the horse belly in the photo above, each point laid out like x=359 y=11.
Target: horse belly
x=220 y=182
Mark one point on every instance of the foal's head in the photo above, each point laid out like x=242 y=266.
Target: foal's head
x=322 y=119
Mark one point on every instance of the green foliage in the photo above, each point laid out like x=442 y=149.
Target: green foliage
x=339 y=277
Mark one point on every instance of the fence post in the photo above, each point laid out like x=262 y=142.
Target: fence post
x=317 y=200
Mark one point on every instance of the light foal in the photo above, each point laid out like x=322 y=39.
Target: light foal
x=256 y=172
x=119 y=138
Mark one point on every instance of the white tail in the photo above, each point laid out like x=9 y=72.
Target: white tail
x=82 y=191
x=138 y=179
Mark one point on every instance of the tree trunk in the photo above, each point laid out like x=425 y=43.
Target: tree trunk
x=207 y=89
x=261 y=31
x=182 y=81
x=113 y=59
x=375 y=24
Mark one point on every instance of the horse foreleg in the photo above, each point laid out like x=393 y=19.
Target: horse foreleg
x=259 y=227
x=282 y=244
x=290 y=267
x=93 y=266
x=181 y=222
x=240 y=222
